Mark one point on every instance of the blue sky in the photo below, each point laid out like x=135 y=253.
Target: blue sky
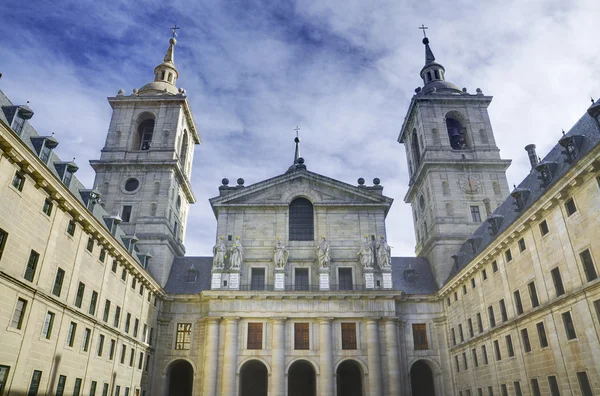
x=343 y=71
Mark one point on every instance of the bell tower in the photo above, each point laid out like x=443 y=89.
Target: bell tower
x=457 y=177
x=144 y=170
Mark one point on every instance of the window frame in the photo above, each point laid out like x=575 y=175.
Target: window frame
x=31 y=266
x=183 y=336
x=349 y=339
x=254 y=338
x=301 y=220
x=420 y=338
x=301 y=336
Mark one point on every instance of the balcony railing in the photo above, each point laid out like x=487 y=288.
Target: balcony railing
x=301 y=288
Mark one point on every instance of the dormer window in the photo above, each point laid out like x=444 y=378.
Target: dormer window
x=474 y=241
x=68 y=176
x=495 y=221
x=546 y=172
x=571 y=145
x=520 y=195
x=18 y=124
x=192 y=275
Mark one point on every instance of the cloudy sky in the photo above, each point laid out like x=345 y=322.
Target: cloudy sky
x=343 y=71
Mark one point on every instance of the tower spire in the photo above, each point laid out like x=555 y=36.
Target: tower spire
x=433 y=73
x=298 y=161
x=165 y=74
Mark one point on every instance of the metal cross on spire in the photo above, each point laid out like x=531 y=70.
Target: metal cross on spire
x=175 y=29
x=297 y=129
x=423 y=27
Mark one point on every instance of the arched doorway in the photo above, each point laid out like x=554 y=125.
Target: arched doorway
x=349 y=379
x=181 y=378
x=253 y=379
x=421 y=379
x=301 y=379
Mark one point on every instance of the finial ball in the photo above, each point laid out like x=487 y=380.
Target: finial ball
x=376 y=181
x=297 y=139
x=300 y=160
x=172 y=41
x=240 y=181
x=425 y=41
x=225 y=181
x=361 y=181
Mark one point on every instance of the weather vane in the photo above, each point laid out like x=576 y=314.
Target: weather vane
x=175 y=29
x=423 y=27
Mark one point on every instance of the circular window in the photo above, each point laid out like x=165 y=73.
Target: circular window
x=421 y=202
x=132 y=184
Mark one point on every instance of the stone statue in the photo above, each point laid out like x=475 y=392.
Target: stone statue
x=366 y=253
x=384 y=253
x=323 y=253
x=219 y=252
x=237 y=254
x=280 y=255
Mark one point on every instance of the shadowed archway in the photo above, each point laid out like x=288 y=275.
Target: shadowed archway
x=421 y=379
x=180 y=378
x=301 y=379
x=349 y=379
x=253 y=379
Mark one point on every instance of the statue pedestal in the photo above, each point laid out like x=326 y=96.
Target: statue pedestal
x=279 y=279
x=323 y=278
x=234 y=280
x=369 y=278
x=216 y=280
x=387 y=278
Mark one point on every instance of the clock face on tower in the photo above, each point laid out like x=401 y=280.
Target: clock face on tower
x=469 y=184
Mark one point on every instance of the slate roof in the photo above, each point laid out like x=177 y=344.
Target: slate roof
x=589 y=130
x=178 y=281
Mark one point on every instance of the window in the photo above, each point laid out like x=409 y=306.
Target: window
x=111 y=351
x=569 y=326
x=588 y=265
x=348 y=335
x=127 y=322
x=144 y=332
x=3 y=238
x=484 y=354
x=93 y=302
x=145 y=131
x=35 y=383
x=470 y=323
x=508 y=255
x=553 y=383
x=58 y=282
x=484 y=274
x=584 y=384
x=475 y=214
x=151 y=335
x=526 y=342
x=456 y=363
x=141 y=291
x=71 y=334
x=301 y=222
x=117 y=390
x=542 y=334
x=517 y=386
x=114 y=266
x=509 y=346
x=184 y=332
x=147 y=363
x=18 y=181
x=453 y=336
x=301 y=279
x=47 y=208
x=3 y=378
x=68 y=176
x=558 y=283
x=491 y=315
x=475 y=360
x=48 y=324
x=497 y=350
x=533 y=294
x=124 y=274
x=504 y=390
x=126 y=213
x=117 y=316
x=460 y=333
x=31 y=265
x=464 y=288
x=18 y=314
x=465 y=364
x=503 y=310
x=131 y=357
x=490 y=391
x=570 y=207
x=133 y=282
x=535 y=387
x=420 y=336
x=105 y=389
x=123 y=352
x=448 y=301
x=479 y=392
x=544 y=228
x=472 y=283
x=90 y=245
x=93 y=388
x=102 y=256
x=301 y=336
x=79 y=297
x=479 y=323
x=456 y=134
x=86 y=339
x=518 y=303
x=257 y=281
x=345 y=278
x=100 y=345
x=255 y=336
x=60 y=387
x=106 y=310
x=455 y=296
x=494 y=266
x=192 y=274
x=522 y=245
x=135 y=327
x=140 y=360
x=77 y=387
x=132 y=184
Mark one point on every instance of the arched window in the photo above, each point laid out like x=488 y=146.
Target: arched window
x=145 y=132
x=301 y=220
x=183 y=150
x=456 y=134
x=416 y=151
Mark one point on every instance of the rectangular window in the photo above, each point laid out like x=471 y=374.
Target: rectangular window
x=184 y=336
x=71 y=334
x=31 y=265
x=460 y=333
x=126 y=213
x=145 y=332
x=484 y=274
x=509 y=346
x=584 y=384
x=135 y=327
x=35 y=383
x=124 y=274
x=114 y=266
x=100 y=345
x=535 y=387
x=456 y=364
x=93 y=302
x=102 y=256
x=508 y=255
x=455 y=296
x=484 y=354
x=348 y=335
x=518 y=303
x=470 y=323
x=127 y=322
x=105 y=389
x=558 y=283
x=255 y=336
x=345 y=278
x=86 y=339
x=3 y=238
x=490 y=391
x=140 y=360
x=525 y=338
x=93 y=388
x=71 y=228
x=60 y=387
x=141 y=289
x=301 y=279
x=111 y=351
x=47 y=208
x=147 y=363
x=58 y=282
x=522 y=245
x=131 y=357
x=542 y=334
x=133 y=282
x=151 y=335
x=453 y=336
x=126 y=391
x=18 y=314
x=90 y=245
x=420 y=336
x=503 y=314
x=479 y=323
x=106 y=310
x=544 y=228
x=475 y=214
x=48 y=324
x=533 y=294
x=301 y=336
x=517 y=386
x=465 y=363
x=475 y=360
x=570 y=207
x=497 y=350
x=123 y=352
x=569 y=326
x=472 y=283
x=588 y=265
x=494 y=266
x=479 y=392
x=3 y=378
x=18 y=181
x=504 y=390
x=464 y=287
x=117 y=316
x=79 y=297
x=491 y=316
x=553 y=383
x=77 y=387
x=257 y=281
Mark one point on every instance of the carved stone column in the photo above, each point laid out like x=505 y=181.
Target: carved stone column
x=393 y=358
x=373 y=356
x=230 y=352
x=211 y=357
x=326 y=356
x=278 y=358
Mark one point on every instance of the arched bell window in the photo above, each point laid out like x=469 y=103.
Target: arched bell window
x=416 y=151
x=301 y=221
x=456 y=134
x=145 y=132
x=183 y=150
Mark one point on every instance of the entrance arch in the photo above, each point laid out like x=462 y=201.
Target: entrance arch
x=253 y=379
x=421 y=379
x=302 y=379
x=349 y=379
x=180 y=378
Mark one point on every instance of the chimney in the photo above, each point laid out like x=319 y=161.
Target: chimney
x=533 y=158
